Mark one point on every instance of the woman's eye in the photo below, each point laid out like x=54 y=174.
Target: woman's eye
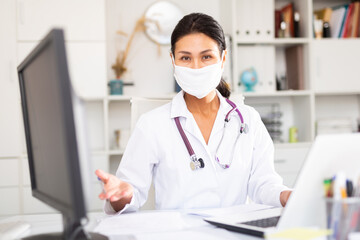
x=207 y=57
x=185 y=58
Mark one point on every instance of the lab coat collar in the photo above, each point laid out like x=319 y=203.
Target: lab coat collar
x=179 y=108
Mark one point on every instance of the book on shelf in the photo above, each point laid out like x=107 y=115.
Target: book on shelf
x=278 y=19
x=336 y=20
x=284 y=21
x=347 y=21
x=344 y=20
x=354 y=21
x=294 y=67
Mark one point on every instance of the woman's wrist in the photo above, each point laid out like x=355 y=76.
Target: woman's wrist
x=284 y=196
x=121 y=203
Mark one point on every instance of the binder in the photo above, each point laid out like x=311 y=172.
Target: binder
x=262 y=59
x=254 y=20
x=295 y=67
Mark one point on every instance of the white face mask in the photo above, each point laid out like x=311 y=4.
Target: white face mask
x=199 y=82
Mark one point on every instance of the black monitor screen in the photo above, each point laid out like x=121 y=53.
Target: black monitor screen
x=45 y=115
x=47 y=103
x=50 y=131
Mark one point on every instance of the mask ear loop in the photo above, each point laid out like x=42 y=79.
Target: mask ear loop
x=222 y=58
x=172 y=58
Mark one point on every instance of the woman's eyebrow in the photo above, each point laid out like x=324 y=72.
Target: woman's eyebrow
x=202 y=52
x=205 y=51
x=185 y=52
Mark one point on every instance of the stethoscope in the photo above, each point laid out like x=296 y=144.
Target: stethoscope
x=197 y=163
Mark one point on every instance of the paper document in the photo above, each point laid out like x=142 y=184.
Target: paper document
x=238 y=209
x=300 y=234
x=141 y=222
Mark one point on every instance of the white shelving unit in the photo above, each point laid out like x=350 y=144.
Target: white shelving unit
x=24 y=24
x=331 y=72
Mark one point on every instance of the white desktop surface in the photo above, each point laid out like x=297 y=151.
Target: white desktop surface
x=196 y=228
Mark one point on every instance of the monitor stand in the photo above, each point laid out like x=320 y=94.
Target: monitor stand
x=73 y=230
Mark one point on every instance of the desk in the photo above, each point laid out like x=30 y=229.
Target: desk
x=199 y=229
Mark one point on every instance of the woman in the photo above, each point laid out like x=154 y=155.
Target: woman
x=231 y=162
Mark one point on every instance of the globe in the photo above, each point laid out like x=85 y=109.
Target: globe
x=249 y=78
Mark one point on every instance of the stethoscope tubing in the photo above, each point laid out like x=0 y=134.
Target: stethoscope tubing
x=185 y=139
x=190 y=149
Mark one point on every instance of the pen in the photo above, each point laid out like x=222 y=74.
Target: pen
x=102 y=185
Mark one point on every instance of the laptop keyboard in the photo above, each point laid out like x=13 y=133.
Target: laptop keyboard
x=263 y=223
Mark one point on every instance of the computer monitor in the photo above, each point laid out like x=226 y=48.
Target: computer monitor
x=52 y=131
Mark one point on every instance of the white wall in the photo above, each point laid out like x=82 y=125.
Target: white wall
x=146 y=68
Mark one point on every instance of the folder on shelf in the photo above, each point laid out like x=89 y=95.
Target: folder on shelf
x=336 y=20
x=262 y=59
x=254 y=20
x=295 y=67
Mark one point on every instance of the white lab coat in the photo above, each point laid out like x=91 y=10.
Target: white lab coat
x=156 y=151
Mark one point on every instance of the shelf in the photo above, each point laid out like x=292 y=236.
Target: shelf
x=292 y=145
x=118 y=98
x=331 y=93
x=275 y=41
x=98 y=152
x=9 y=157
x=93 y=99
x=116 y=152
x=336 y=40
x=285 y=93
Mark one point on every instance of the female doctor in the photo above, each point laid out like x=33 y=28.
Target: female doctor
x=200 y=150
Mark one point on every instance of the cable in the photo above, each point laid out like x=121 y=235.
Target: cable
x=78 y=230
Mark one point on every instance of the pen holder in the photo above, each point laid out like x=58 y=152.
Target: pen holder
x=343 y=217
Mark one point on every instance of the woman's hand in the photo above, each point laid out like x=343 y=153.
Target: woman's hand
x=118 y=192
x=284 y=196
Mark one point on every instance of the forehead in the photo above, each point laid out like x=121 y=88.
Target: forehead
x=195 y=42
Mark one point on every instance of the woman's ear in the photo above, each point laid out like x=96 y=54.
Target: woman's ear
x=172 y=59
x=224 y=58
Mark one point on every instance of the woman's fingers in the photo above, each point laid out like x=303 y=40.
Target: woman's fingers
x=115 y=189
x=103 y=176
x=102 y=196
x=116 y=194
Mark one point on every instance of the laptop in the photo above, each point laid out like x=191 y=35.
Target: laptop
x=305 y=207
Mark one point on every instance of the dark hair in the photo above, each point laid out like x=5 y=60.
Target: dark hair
x=202 y=23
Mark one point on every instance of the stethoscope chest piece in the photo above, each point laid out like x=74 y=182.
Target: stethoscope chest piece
x=244 y=128
x=197 y=164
